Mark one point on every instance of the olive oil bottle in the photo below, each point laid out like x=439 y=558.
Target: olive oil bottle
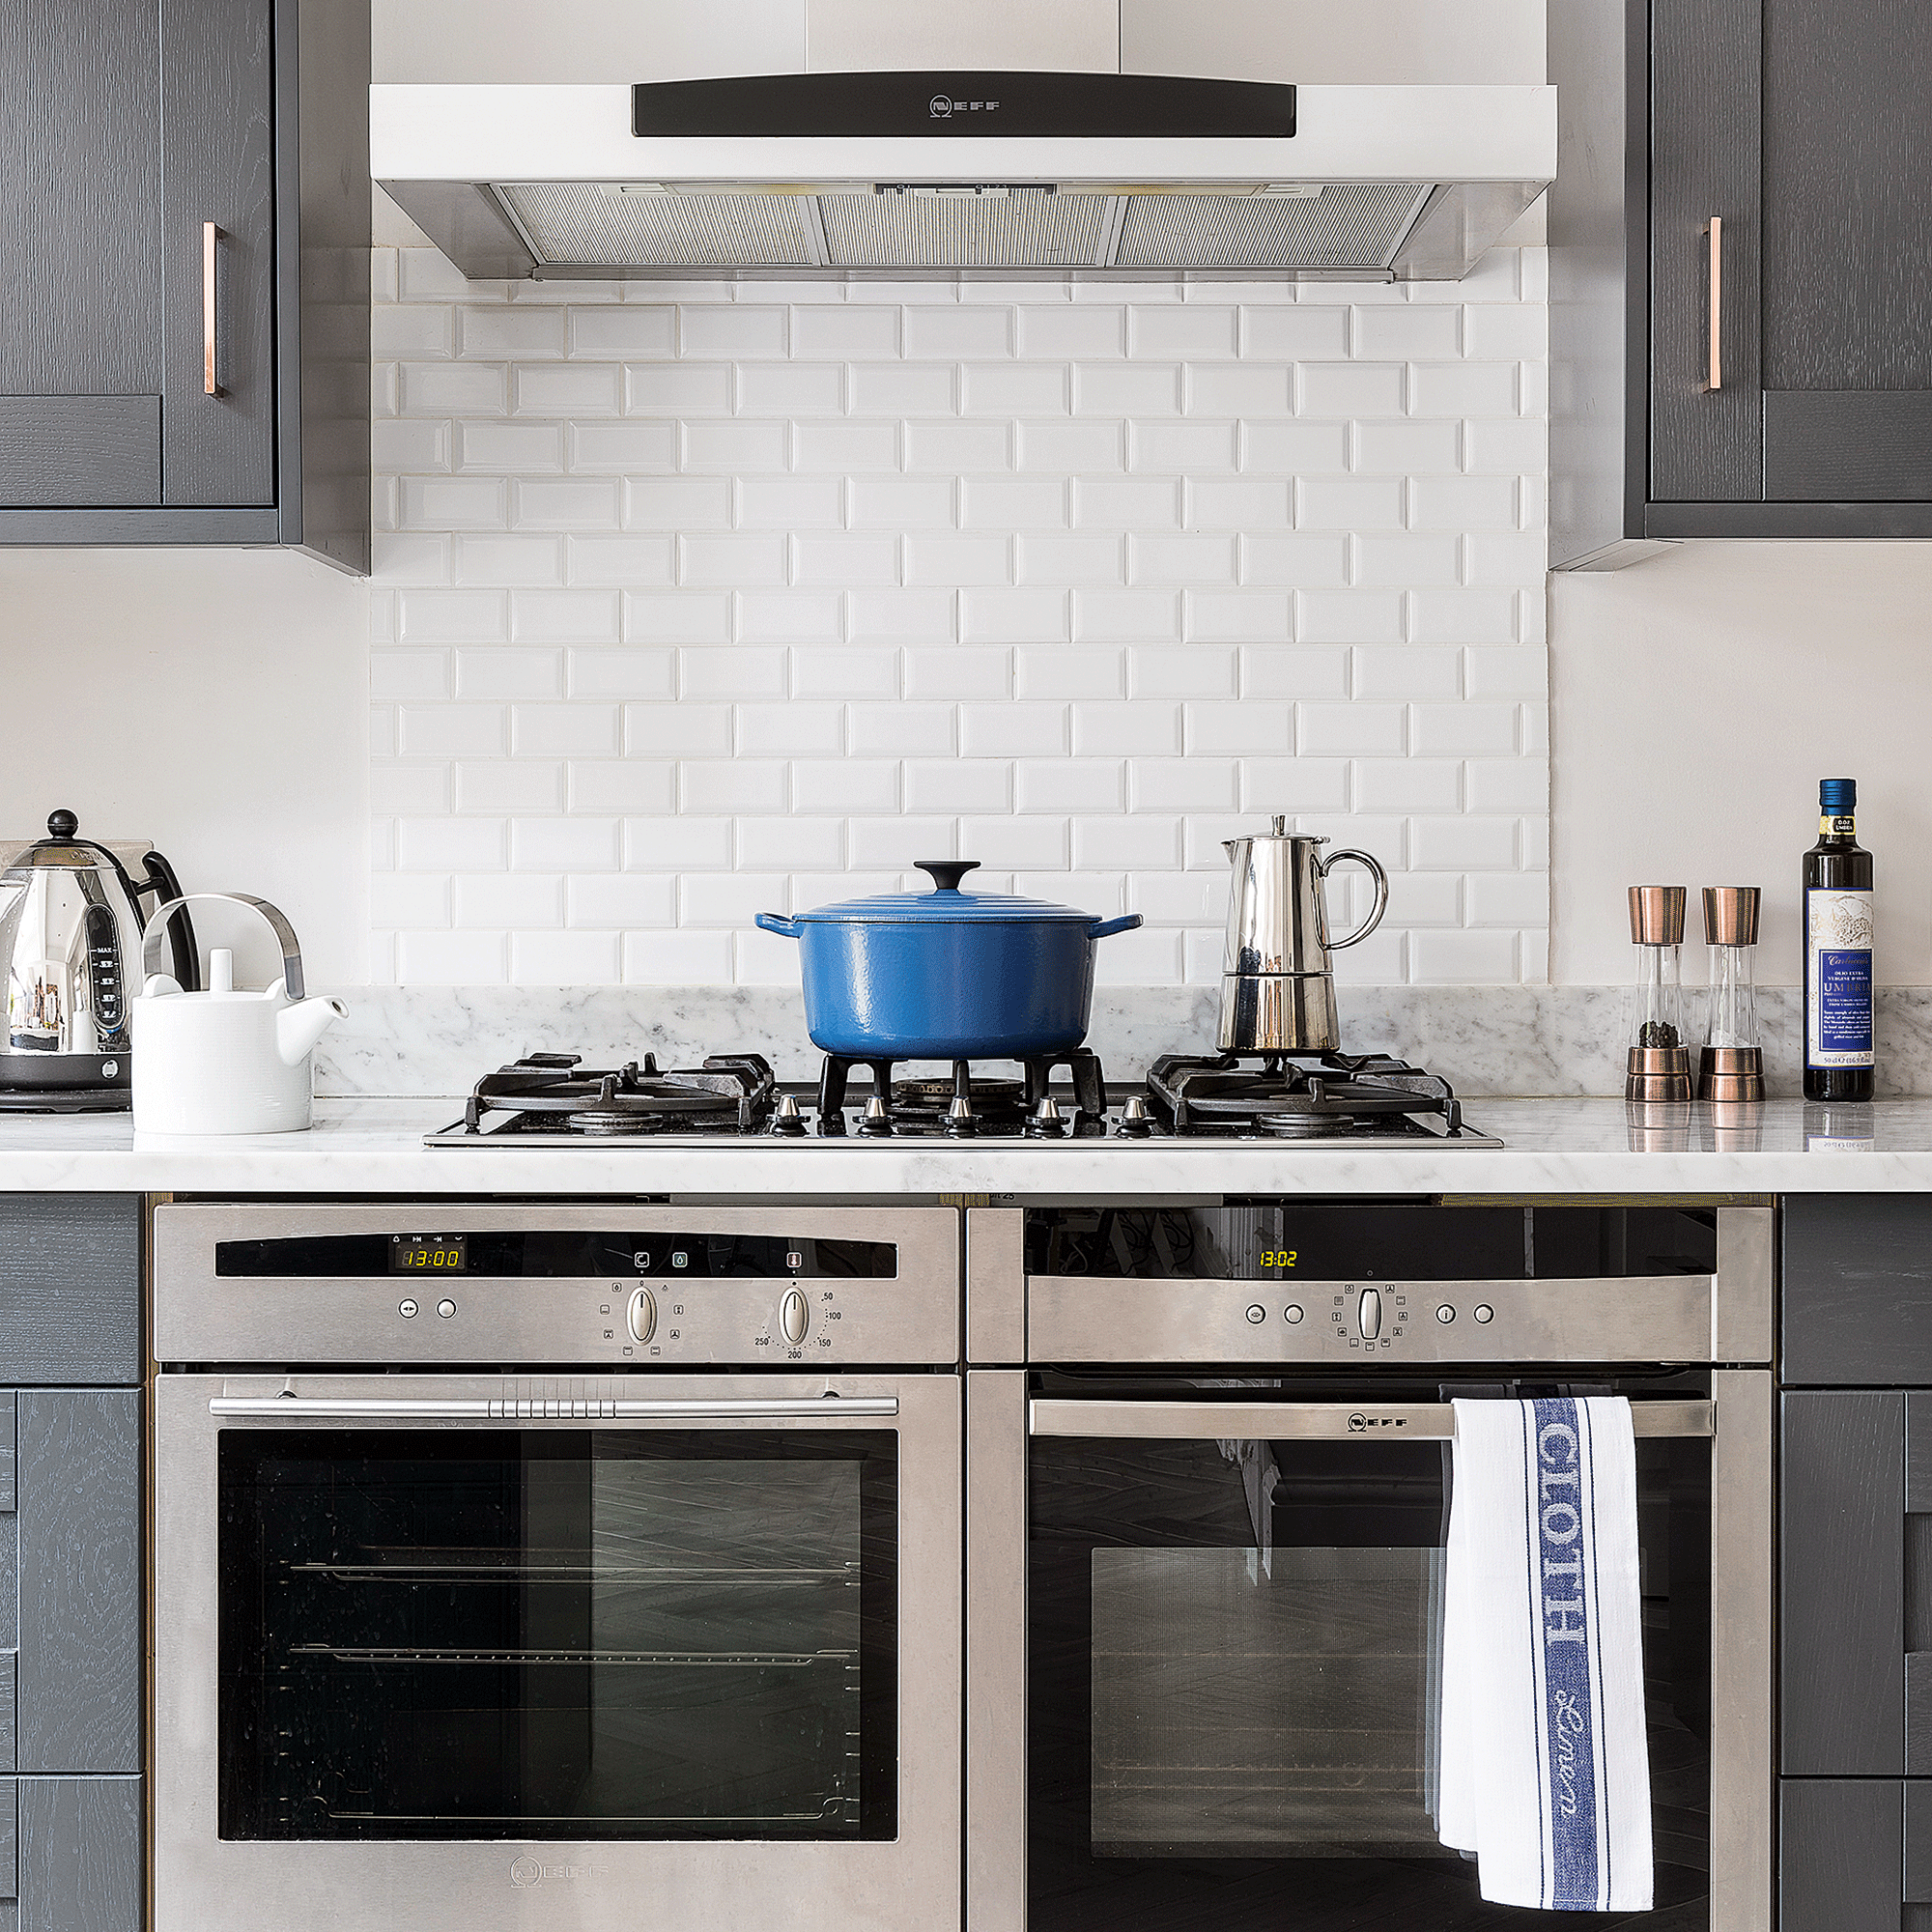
x=1838 y=1001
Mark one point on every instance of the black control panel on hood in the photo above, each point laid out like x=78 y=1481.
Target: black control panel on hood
x=1119 y=107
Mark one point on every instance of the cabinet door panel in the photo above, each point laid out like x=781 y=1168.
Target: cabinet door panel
x=70 y=1287
x=83 y=452
x=218 y=140
x=1705 y=444
x=1841 y=1584
x=80 y=198
x=79 y=1854
x=78 y=1521
x=1857 y=1294
x=1847 y=221
x=1842 y=1855
x=1848 y=446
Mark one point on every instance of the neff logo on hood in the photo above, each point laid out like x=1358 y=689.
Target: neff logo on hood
x=942 y=106
x=526 y=1871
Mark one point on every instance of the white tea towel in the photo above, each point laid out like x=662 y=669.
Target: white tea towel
x=1546 y=1768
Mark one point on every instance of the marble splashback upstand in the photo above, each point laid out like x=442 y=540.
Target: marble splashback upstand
x=1495 y=1040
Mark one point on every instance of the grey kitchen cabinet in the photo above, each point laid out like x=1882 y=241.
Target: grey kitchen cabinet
x=184 y=243
x=1741 y=272
x=69 y=1289
x=1856 y=1302
x=71 y=1564
x=1855 y=1856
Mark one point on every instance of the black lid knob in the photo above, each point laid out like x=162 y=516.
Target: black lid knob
x=947 y=872
x=62 y=824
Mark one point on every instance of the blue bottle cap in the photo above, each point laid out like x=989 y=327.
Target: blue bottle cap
x=1838 y=797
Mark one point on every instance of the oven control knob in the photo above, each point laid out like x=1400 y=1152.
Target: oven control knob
x=643 y=1314
x=1291 y=1314
x=1369 y=1314
x=794 y=1315
x=1484 y=1312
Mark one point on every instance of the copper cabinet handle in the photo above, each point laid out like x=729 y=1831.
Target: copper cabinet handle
x=210 y=236
x=1715 y=231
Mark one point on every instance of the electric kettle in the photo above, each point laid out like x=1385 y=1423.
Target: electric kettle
x=71 y=921
x=1277 y=981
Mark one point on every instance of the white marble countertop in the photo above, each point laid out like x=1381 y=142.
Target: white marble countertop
x=1553 y=1146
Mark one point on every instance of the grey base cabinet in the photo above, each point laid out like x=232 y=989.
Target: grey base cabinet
x=72 y=1793
x=1855 y=1565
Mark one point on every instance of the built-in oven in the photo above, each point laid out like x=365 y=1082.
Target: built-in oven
x=588 y=1565
x=1207 y=1514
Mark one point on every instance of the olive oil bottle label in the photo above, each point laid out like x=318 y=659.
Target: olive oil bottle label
x=1838 y=967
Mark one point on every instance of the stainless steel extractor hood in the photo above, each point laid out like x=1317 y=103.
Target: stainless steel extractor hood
x=943 y=174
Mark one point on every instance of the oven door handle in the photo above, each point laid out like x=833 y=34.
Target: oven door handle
x=1311 y=1420
x=583 y=1408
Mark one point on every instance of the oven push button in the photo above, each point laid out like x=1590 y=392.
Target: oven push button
x=643 y=1314
x=1369 y=1314
x=794 y=1315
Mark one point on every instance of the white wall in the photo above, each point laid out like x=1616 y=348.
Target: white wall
x=213 y=702
x=1695 y=702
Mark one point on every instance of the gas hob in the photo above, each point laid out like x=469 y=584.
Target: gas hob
x=1313 y=1100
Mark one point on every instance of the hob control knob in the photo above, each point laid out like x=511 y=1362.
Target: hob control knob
x=1369 y=1314
x=644 y=1314
x=794 y=1315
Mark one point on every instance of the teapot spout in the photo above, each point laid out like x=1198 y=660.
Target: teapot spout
x=298 y=1028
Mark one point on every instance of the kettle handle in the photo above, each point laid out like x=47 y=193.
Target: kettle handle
x=292 y=959
x=1375 y=917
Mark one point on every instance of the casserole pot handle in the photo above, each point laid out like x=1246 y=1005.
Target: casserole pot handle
x=776 y=922
x=1105 y=929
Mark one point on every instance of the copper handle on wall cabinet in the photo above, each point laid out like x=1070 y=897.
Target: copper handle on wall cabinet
x=1714 y=230
x=210 y=236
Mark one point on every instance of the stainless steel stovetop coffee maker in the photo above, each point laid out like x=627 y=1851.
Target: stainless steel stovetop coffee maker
x=1277 y=982
x=71 y=920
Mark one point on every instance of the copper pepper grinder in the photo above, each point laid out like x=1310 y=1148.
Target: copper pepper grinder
x=1657 y=1066
x=1731 y=1066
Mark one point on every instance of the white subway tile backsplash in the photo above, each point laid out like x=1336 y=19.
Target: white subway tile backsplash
x=688 y=596
x=625 y=785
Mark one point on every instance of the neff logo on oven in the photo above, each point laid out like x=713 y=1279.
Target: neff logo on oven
x=1360 y=1424
x=943 y=107
x=526 y=1872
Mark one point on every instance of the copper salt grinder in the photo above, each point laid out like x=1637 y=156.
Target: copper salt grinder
x=1731 y=1066
x=1657 y=1066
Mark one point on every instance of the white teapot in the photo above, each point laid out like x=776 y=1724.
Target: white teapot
x=225 y=1060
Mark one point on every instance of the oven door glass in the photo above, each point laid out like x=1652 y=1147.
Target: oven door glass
x=558 y=1633
x=1233 y=1657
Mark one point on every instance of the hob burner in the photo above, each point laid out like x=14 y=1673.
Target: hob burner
x=546 y=1092
x=1327 y=1097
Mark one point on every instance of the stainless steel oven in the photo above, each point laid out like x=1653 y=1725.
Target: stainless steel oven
x=526 y=1565
x=1208 y=1493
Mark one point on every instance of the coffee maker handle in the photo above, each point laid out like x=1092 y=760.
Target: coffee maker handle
x=1375 y=917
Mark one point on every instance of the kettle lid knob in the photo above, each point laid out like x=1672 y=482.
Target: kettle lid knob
x=62 y=824
x=1280 y=825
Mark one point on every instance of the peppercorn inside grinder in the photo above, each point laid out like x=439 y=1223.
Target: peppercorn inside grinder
x=1657 y=1066
x=1730 y=1067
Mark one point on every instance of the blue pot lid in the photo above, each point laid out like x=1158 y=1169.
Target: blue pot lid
x=946 y=905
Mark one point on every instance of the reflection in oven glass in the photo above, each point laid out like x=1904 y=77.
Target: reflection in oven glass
x=569 y=1635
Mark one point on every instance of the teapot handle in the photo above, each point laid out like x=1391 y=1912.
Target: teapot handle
x=292 y=959
x=1375 y=917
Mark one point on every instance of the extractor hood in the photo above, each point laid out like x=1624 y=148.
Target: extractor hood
x=942 y=174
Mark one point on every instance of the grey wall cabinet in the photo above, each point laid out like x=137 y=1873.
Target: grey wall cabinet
x=1771 y=375
x=71 y=1564
x=184 y=201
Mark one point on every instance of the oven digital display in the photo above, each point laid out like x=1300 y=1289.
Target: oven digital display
x=429 y=1254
